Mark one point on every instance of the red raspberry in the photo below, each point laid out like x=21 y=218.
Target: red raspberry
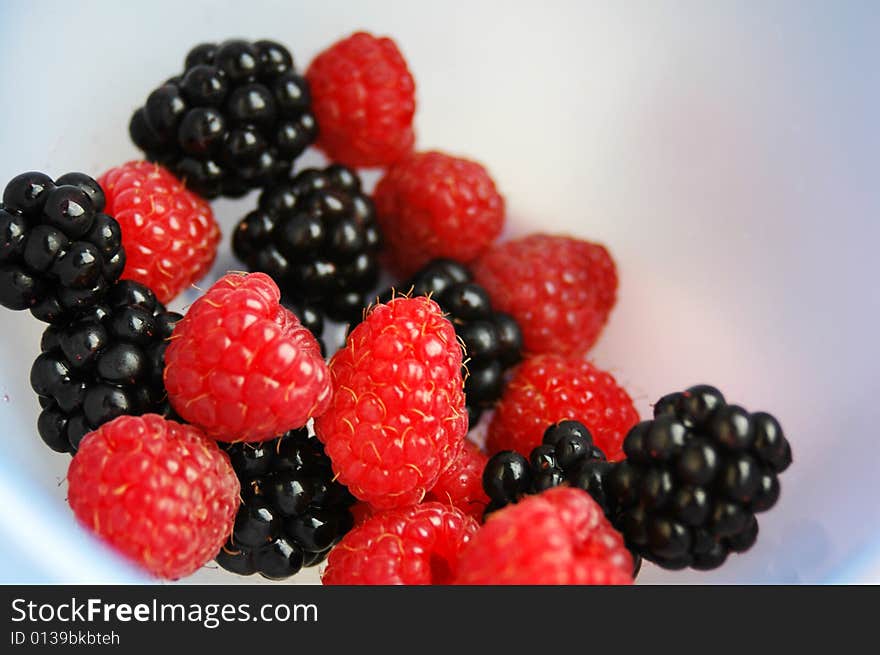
x=433 y=205
x=363 y=97
x=560 y=290
x=242 y=367
x=560 y=536
x=398 y=418
x=461 y=484
x=419 y=544
x=169 y=233
x=160 y=492
x=546 y=389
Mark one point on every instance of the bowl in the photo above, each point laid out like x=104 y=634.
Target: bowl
x=722 y=157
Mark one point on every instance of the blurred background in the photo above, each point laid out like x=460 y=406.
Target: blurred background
x=725 y=152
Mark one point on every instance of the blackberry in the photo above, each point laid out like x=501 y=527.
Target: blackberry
x=59 y=253
x=317 y=237
x=105 y=362
x=492 y=340
x=235 y=119
x=694 y=478
x=566 y=455
x=293 y=511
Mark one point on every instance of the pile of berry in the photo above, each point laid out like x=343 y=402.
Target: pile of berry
x=226 y=433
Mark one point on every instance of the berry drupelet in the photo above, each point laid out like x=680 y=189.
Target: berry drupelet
x=292 y=510
x=104 y=363
x=694 y=478
x=59 y=252
x=492 y=340
x=317 y=237
x=234 y=120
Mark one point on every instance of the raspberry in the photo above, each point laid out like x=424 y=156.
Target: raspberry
x=59 y=253
x=549 y=388
x=169 y=233
x=434 y=205
x=364 y=100
x=292 y=511
x=160 y=492
x=694 y=478
x=317 y=237
x=105 y=363
x=557 y=537
x=492 y=340
x=415 y=545
x=242 y=367
x=559 y=289
x=461 y=484
x=397 y=419
x=235 y=119
x=311 y=318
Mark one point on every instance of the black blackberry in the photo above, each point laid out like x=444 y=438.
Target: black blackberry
x=566 y=455
x=293 y=511
x=492 y=340
x=106 y=362
x=235 y=119
x=58 y=252
x=317 y=237
x=694 y=478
